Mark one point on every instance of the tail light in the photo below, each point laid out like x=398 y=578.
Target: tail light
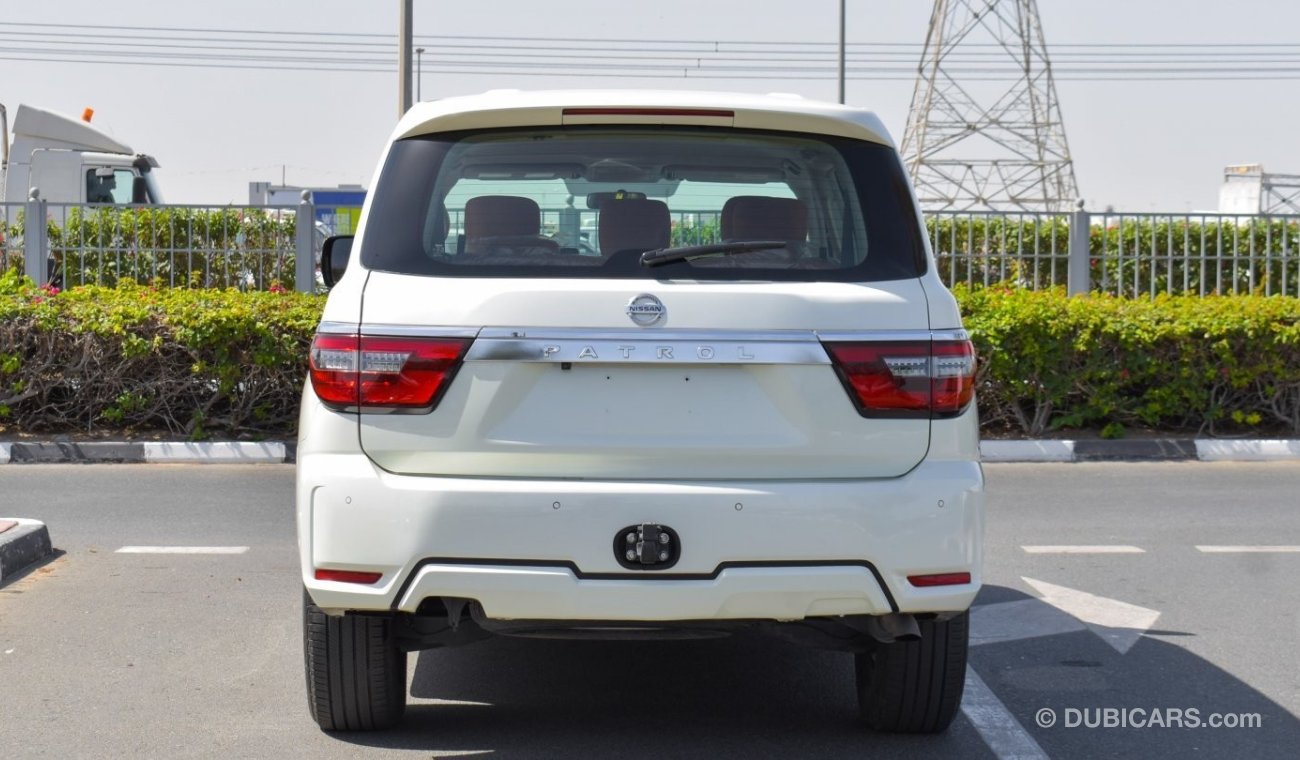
x=383 y=373
x=909 y=379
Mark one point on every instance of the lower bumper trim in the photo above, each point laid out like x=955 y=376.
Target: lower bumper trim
x=520 y=589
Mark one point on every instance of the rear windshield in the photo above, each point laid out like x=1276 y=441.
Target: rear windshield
x=590 y=201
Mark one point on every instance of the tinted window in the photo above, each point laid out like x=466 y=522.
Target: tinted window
x=588 y=201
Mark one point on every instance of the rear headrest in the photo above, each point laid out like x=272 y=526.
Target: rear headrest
x=497 y=215
x=757 y=217
x=640 y=224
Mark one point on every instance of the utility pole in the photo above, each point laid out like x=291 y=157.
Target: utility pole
x=404 y=57
x=841 y=52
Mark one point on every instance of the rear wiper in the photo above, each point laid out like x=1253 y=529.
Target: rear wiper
x=682 y=253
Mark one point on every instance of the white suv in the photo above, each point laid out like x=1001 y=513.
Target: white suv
x=639 y=364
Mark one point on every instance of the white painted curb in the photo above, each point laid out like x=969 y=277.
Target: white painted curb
x=1246 y=451
x=1027 y=451
x=214 y=452
x=23 y=522
x=991 y=451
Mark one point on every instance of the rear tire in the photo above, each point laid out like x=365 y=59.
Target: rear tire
x=356 y=675
x=915 y=687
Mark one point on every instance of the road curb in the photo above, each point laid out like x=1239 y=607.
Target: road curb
x=1142 y=450
x=150 y=452
x=1246 y=451
x=1027 y=451
x=226 y=452
x=1148 y=449
x=1040 y=450
x=22 y=544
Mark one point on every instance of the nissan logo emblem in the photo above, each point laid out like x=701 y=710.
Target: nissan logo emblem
x=646 y=310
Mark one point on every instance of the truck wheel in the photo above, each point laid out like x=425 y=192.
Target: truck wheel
x=915 y=687
x=356 y=675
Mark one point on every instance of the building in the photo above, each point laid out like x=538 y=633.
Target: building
x=1248 y=189
x=337 y=208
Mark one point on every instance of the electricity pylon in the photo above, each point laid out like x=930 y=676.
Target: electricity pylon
x=985 y=128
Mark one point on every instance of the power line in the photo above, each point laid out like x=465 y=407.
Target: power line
x=535 y=56
x=61 y=45
x=585 y=40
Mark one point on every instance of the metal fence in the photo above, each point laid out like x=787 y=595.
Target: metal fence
x=244 y=247
x=260 y=247
x=191 y=246
x=11 y=239
x=1133 y=255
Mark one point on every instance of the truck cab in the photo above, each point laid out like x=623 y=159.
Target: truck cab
x=70 y=161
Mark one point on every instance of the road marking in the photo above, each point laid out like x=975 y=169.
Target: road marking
x=1248 y=549
x=996 y=725
x=1100 y=549
x=1013 y=621
x=1119 y=624
x=182 y=550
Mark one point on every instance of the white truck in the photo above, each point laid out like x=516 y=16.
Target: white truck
x=71 y=161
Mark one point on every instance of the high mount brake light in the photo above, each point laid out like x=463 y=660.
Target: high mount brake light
x=909 y=379
x=628 y=111
x=379 y=372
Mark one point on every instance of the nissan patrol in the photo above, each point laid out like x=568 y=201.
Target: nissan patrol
x=638 y=364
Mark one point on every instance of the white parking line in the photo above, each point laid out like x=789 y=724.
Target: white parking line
x=1248 y=549
x=1083 y=550
x=995 y=723
x=182 y=550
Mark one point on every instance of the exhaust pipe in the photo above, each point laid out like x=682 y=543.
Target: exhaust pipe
x=892 y=627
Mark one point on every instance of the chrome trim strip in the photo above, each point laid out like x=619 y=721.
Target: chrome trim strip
x=337 y=328
x=876 y=336
x=645 y=349
x=401 y=331
x=597 y=333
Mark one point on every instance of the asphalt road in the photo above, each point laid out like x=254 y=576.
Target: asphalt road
x=104 y=654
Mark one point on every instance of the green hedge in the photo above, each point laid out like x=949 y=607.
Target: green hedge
x=136 y=360
x=1213 y=365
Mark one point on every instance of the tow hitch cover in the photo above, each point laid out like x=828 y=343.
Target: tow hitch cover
x=647 y=546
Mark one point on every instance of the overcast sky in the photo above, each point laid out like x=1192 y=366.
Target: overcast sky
x=1137 y=145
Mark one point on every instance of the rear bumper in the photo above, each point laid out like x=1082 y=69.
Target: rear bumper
x=536 y=549
x=559 y=593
